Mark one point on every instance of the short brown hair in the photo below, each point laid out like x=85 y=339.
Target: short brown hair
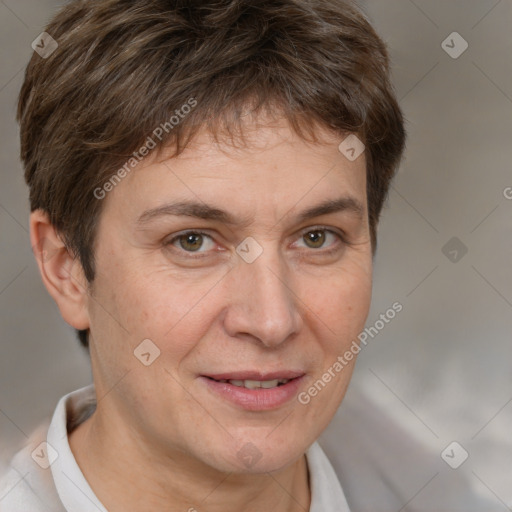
x=122 y=67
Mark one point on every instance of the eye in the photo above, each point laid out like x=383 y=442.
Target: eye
x=192 y=241
x=318 y=237
x=202 y=243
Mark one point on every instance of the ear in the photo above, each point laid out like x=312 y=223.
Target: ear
x=61 y=271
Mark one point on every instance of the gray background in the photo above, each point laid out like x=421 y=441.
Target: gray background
x=442 y=368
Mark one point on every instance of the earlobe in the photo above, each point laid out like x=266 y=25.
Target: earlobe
x=60 y=270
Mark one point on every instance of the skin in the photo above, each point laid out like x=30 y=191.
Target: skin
x=160 y=439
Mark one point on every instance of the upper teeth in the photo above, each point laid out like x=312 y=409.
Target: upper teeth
x=255 y=384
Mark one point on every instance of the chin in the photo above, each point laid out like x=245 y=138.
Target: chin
x=255 y=456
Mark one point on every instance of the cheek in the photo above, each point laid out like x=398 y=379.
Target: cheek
x=341 y=305
x=173 y=313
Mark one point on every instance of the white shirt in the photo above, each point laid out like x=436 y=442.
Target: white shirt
x=32 y=484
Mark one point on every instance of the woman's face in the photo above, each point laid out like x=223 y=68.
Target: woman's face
x=214 y=276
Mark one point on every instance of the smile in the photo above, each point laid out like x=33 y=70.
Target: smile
x=255 y=384
x=254 y=394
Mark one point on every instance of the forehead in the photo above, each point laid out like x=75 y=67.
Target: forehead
x=270 y=171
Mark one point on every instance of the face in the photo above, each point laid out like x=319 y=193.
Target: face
x=249 y=270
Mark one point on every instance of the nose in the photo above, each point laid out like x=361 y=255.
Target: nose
x=262 y=302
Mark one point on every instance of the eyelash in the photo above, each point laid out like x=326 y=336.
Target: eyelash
x=191 y=255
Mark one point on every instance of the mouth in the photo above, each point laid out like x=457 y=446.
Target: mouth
x=253 y=384
x=253 y=390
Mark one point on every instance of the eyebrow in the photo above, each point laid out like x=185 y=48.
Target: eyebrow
x=208 y=212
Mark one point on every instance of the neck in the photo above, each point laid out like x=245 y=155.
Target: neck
x=125 y=475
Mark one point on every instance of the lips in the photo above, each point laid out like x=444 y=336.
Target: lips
x=256 y=380
x=256 y=375
x=253 y=390
x=255 y=384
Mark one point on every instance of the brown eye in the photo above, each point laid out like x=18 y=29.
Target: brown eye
x=315 y=239
x=321 y=240
x=191 y=241
x=192 y=244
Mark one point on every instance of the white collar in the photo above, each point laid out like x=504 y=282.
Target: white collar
x=73 y=489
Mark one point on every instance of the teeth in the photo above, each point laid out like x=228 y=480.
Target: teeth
x=269 y=383
x=252 y=384
x=255 y=384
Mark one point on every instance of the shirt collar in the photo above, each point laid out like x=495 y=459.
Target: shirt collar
x=326 y=492
x=73 y=489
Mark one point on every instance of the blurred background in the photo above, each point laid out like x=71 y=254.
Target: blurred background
x=441 y=370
